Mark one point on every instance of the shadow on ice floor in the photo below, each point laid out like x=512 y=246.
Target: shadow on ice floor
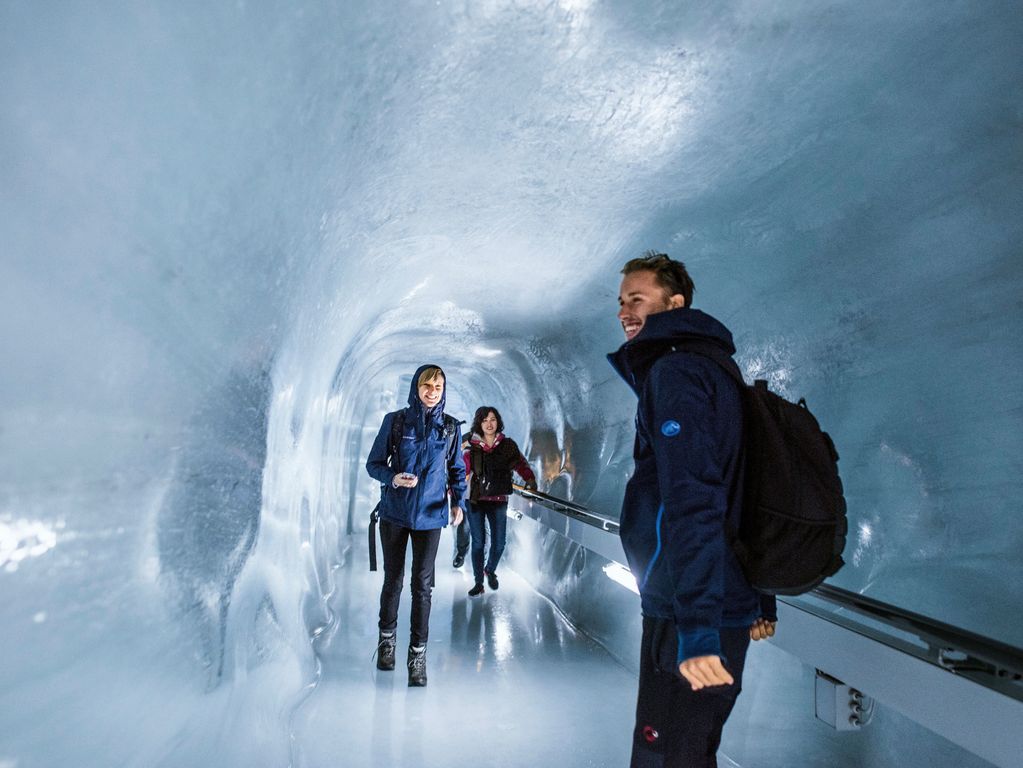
x=511 y=683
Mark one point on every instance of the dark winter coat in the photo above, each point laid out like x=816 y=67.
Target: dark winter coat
x=426 y=449
x=687 y=482
x=497 y=464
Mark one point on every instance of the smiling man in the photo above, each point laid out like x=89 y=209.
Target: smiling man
x=699 y=612
x=417 y=461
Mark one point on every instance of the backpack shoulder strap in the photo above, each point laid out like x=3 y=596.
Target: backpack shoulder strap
x=451 y=425
x=397 y=429
x=715 y=353
x=476 y=455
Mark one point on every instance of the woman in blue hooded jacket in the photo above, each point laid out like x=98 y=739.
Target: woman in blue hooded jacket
x=416 y=458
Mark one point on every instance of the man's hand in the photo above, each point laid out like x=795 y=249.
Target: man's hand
x=456 y=516
x=405 y=480
x=761 y=629
x=704 y=671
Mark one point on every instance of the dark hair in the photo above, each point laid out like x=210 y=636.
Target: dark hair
x=481 y=413
x=671 y=275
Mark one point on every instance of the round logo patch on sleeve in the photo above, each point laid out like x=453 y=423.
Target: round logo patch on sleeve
x=670 y=428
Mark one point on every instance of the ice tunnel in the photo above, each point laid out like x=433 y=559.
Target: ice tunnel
x=230 y=231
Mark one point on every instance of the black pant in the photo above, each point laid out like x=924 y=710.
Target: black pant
x=677 y=727
x=394 y=542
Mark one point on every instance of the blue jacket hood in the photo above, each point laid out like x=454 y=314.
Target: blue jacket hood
x=420 y=413
x=660 y=332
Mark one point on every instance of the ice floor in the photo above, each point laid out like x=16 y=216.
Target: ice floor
x=511 y=683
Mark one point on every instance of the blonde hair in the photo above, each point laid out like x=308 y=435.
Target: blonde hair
x=428 y=375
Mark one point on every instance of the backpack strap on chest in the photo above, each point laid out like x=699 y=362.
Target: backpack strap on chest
x=397 y=430
x=476 y=457
x=449 y=430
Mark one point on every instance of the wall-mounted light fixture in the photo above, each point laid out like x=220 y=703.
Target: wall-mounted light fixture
x=622 y=575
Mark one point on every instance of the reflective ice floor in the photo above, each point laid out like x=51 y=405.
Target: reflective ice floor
x=510 y=683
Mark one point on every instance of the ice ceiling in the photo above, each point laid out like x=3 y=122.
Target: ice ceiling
x=228 y=230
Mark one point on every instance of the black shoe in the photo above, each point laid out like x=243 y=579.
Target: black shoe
x=417 y=667
x=385 y=652
x=458 y=562
x=492 y=580
x=477 y=590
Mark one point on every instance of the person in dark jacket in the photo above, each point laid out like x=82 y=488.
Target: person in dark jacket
x=490 y=459
x=416 y=459
x=699 y=612
x=461 y=531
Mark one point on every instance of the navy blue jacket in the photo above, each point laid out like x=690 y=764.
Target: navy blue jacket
x=687 y=483
x=423 y=450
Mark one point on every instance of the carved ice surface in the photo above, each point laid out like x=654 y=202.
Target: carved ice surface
x=229 y=233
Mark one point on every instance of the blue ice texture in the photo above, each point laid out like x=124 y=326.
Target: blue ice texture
x=230 y=231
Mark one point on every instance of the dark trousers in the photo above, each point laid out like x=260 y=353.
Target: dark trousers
x=496 y=515
x=394 y=543
x=677 y=727
x=462 y=536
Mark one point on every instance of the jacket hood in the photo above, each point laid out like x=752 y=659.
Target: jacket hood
x=660 y=331
x=420 y=413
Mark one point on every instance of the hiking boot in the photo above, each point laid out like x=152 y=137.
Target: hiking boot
x=417 y=667
x=458 y=562
x=477 y=590
x=385 y=652
x=492 y=580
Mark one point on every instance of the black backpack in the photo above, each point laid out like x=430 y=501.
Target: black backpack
x=794 y=523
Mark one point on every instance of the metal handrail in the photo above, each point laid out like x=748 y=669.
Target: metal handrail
x=569 y=508
x=982 y=659
x=989 y=662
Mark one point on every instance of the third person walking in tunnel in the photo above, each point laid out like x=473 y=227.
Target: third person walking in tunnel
x=490 y=458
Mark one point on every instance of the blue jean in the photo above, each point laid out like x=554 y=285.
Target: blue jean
x=496 y=514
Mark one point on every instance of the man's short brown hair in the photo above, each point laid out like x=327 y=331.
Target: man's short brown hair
x=671 y=275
